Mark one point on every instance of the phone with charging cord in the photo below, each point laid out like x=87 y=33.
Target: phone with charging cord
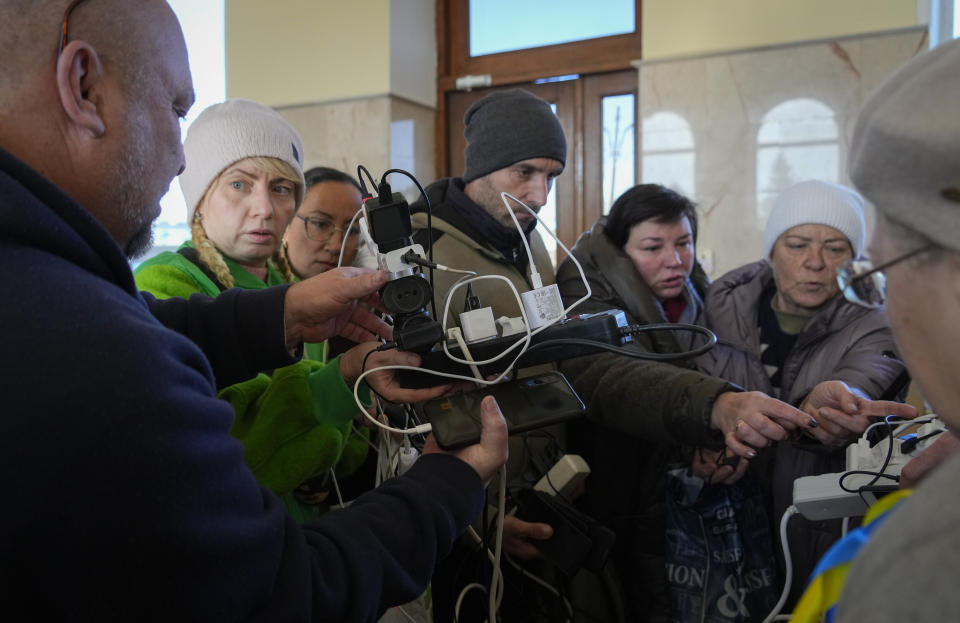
x=527 y=404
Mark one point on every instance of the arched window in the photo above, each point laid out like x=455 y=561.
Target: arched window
x=797 y=141
x=667 y=152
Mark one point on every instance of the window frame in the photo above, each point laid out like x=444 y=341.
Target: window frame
x=589 y=56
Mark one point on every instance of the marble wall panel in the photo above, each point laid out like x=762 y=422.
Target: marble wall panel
x=379 y=132
x=345 y=133
x=815 y=90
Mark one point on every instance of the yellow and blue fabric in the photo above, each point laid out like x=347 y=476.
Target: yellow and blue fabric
x=819 y=602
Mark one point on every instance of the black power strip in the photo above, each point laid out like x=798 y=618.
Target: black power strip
x=603 y=327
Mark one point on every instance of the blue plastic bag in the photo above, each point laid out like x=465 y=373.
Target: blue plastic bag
x=719 y=553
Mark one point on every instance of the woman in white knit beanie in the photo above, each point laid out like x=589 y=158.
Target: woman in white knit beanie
x=785 y=330
x=242 y=183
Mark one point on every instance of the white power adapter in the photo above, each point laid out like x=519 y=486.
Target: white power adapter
x=510 y=326
x=565 y=476
x=543 y=305
x=478 y=325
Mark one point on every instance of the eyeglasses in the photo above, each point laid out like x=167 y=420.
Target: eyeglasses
x=321 y=230
x=865 y=284
x=66 y=23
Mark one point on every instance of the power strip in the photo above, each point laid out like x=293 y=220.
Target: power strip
x=820 y=497
x=603 y=327
x=862 y=456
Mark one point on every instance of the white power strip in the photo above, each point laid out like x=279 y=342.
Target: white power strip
x=861 y=456
x=820 y=497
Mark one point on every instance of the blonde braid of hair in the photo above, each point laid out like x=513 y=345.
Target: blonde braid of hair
x=281 y=262
x=208 y=253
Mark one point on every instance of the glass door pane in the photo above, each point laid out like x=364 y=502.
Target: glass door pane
x=619 y=146
x=509 y=25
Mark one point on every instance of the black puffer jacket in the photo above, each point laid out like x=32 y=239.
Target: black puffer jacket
x=676 y=400
x=658 y=405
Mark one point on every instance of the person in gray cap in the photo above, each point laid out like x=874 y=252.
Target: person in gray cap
x=905 y=158
x=514 y=144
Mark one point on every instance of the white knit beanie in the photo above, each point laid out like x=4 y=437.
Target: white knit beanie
x=817 y=203
x=231 y=131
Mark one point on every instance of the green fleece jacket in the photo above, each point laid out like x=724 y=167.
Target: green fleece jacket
x=294 y=423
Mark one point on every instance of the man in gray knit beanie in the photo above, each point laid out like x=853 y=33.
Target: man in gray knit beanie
x=509 y=126
x=515 y=144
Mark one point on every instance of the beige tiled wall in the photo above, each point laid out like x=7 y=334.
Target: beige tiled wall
x=725 y=99
x=378 y=132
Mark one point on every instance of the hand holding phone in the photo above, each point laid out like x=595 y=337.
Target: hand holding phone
x=527 y=404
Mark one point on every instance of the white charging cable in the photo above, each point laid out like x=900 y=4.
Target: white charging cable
x=787 y=514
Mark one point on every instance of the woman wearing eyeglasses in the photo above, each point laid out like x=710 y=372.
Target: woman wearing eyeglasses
x=322 y=225
x=785 y=329
x=242 y=185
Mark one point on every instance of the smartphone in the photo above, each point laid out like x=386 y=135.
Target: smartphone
x=527 y=404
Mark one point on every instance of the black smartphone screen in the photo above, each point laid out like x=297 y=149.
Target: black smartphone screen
x=528 y=403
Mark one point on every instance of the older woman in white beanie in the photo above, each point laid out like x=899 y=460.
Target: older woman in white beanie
x=785 y=329
x=242 y=183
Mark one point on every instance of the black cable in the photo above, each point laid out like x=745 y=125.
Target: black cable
x=360 y=171
x=426 y=200
x=908 y=445
x=636 y=354
x=671 y=326
x=886 y=460
x=877 y=475
x=363 y=366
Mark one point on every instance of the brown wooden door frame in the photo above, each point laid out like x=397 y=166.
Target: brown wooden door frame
x=577 y=57
x=595 y=88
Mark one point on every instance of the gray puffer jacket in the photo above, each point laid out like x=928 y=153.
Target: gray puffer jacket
x=842 y=341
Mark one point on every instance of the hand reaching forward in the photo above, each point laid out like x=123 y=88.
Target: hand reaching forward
x=384 y=382
x=718 y=466
x=843 y=413
x=520 y=537
x=327 y=304
x=750 y=420
x=946 y=446
x=490 y=454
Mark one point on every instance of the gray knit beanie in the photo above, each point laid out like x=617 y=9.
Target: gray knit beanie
x=509 y=126
x=817 y=203
x=905 y=153
x=230 y=131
